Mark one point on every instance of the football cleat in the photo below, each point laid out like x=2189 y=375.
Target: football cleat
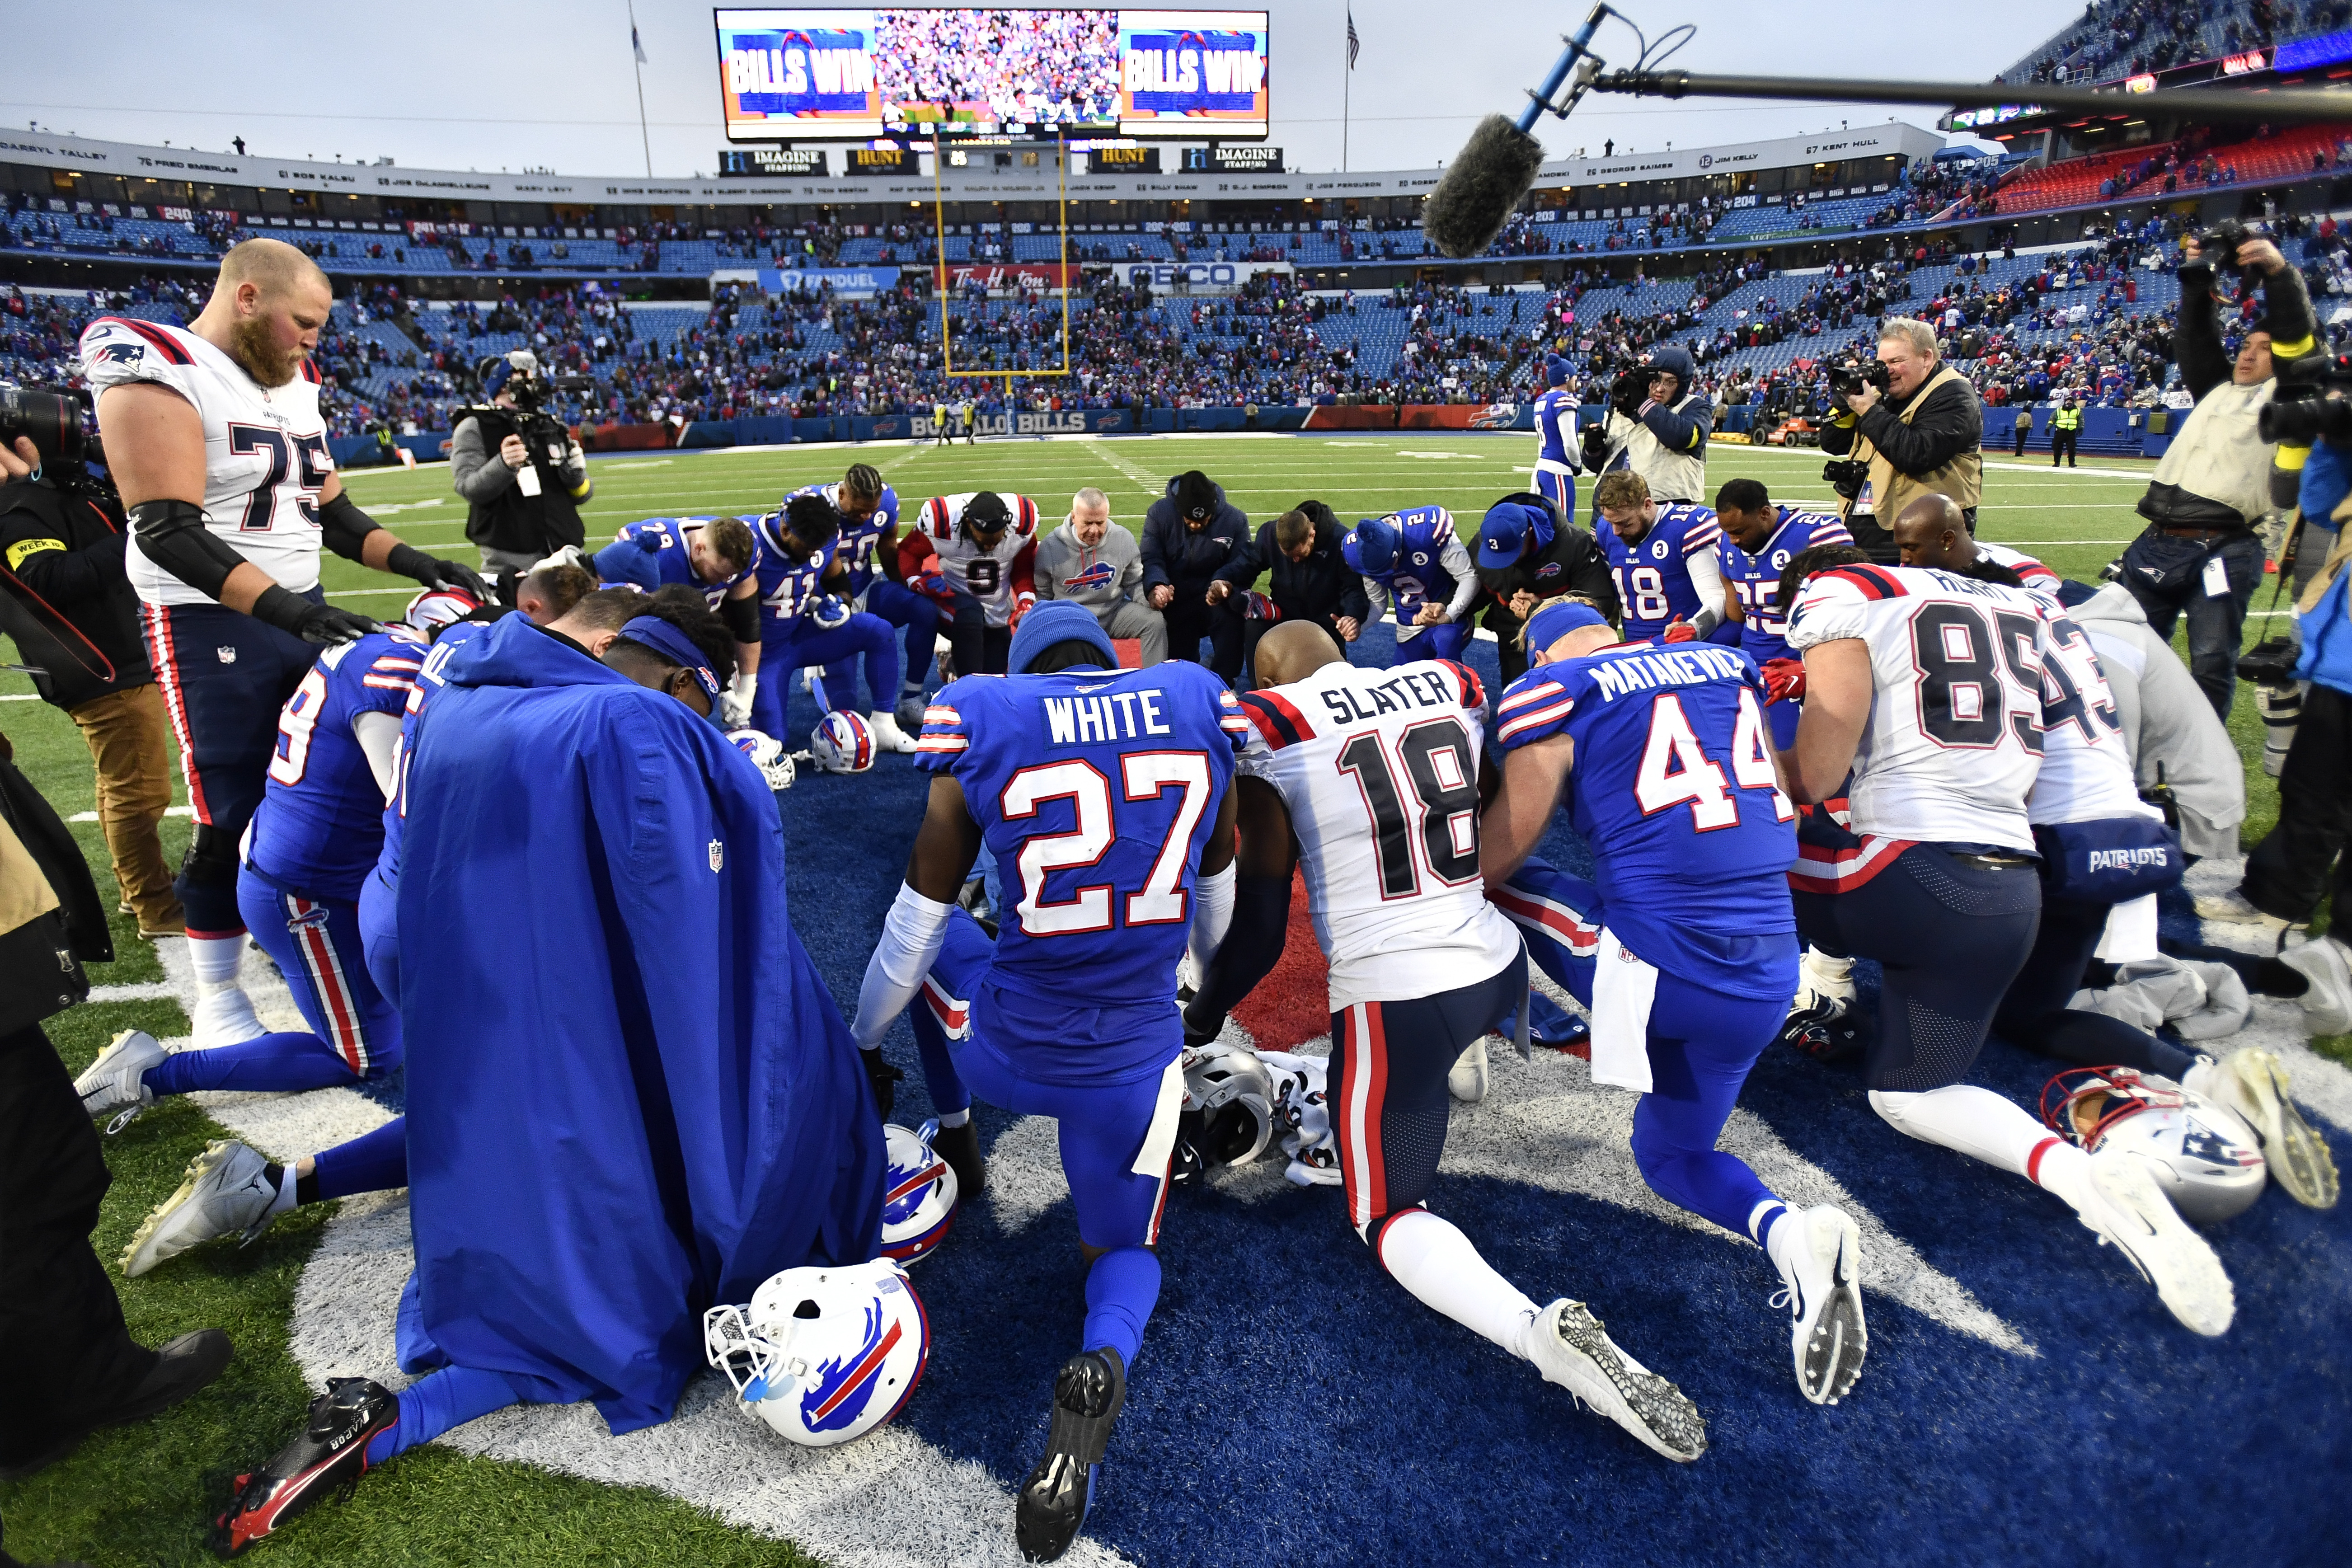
x=1466 y=1080
x=111 y=1083
x=1052 y=1506
x=1828 y=1031
x=959 y=1147
x=1822 y=1290
x=909 y=711
x=1572 y=1348
x=228 y=1191
x=888 y=736
x=225 y=1017
x=2253 y=1082
x=1823 y=978
x=2232 y=908
x=331 y=1452
x=2122 y=1204
x=2327 y=1003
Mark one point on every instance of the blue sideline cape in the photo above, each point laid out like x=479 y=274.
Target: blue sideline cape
x=630 y=1096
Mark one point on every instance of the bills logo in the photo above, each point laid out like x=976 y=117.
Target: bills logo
x=121 y=353
x=840 y=1389
x=1495 y=417
x=1548 y=569
x=1099 y=575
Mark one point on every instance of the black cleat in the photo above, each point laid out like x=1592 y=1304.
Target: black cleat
x=331 y=1452
x=959 y=1147
x=1826 y=1031
x=181 y=1368
x=1052 y=1506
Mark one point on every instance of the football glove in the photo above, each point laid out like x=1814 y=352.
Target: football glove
x=933 y=585
x=884 y=1078
x=414 y=563
x=1021 y=605
x=1784 y=680
x=1679 y=630
x=312 y=623
x=735 y=702
x=829 y=610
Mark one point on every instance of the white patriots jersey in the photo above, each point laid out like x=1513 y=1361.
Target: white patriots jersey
x=1380 y=770
x=994 y=576
x=1954 y=741
x=2086 y=768
x=266 y=456
x=2032 y=573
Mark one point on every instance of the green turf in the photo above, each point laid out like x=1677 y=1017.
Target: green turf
x=140 y=1496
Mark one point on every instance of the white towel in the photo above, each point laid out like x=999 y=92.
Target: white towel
x=1160 y=1138
x=1624 y=987
x=2130 y=935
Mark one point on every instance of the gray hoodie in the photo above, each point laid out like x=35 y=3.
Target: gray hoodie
x=1099 y=578
x=2167 y=721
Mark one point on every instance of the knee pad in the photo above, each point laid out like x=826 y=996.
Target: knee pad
x=211 y=860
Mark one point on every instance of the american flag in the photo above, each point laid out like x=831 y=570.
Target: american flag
x=635 y=47
x=1354 y=43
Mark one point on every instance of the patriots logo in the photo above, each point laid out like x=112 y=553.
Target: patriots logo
x=121 y=353
x=1099 y=575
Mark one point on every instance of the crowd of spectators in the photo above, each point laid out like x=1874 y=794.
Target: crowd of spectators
x=2130 y=37
x=1028 y=68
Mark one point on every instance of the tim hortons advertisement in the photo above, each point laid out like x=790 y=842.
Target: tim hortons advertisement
x=1008 y=277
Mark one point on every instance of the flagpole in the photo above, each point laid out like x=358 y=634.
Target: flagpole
x=637 y=57
x=1347 y=85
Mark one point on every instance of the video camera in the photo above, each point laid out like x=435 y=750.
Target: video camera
x=1845 y=476
x=1848 y=378
x=1630 y=391
x=2313 y=402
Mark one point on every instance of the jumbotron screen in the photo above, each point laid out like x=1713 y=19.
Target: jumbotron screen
x=810 y=74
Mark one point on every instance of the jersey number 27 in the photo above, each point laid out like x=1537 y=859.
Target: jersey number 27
x=1096 y=907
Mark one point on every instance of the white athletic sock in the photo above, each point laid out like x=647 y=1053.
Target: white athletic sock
x=1984 y=1126
x=1436 y=1262
x=955 y=1118
x=1762 y=1221
x=285 y=1200
x=215 y=959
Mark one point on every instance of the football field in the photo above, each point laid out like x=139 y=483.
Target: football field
x=2026 y=1399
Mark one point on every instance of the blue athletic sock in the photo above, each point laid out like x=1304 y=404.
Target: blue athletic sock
x=948 y=1094
x=376 y=1161
x=1121 y=1289
x=271 y=1062
x=439 y=1401
x=1761 y=1220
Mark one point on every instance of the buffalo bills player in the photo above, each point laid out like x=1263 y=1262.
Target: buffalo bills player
x=865 y=561
x=214 y=437
x=1416 y=559
x=1556 y=447
x=1662 y=558
x=1760 y=539
x=1670 y=778
x=1371 y=779
x=715 y=555
x=803 y=623
x=1927 y=687
x=1103 y=794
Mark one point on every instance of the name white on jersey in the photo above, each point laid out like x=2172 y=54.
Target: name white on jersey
x=1380 y=770
x=266 y=456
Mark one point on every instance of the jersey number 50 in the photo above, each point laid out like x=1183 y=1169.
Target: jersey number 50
x=1145 y=775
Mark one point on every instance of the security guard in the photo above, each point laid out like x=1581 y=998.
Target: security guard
x=2065 y=428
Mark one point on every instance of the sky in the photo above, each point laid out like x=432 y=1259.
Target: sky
x=550 y=84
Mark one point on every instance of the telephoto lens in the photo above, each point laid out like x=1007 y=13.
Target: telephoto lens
x=56 y=421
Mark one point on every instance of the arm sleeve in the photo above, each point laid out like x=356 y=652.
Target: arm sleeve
x=1213 y=915
x=379 y=736
x=914 y=550
x=478 y=474
x=1950 y=424
x=2197 y=339
x=742 y=618
x=1253 y=946
x=1023 y=571
x=1456 y=559
x=343 y=528
x=1376 y=597
x=1706 y=578
x=912 y=934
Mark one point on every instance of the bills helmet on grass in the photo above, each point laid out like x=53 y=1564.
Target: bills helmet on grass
x=767 y=754
x=842 y=743
x=918 y=1193
x=824 y=1355
x=2206 y=1159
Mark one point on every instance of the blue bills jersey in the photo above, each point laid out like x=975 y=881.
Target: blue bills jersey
x=321 y=817
x=429 y=682
x=1653 y=574
x=1764 y=620
x=1096 y=791
x=789 y=584
x=1672 y=786
x=652 y=554
x=1556 y=427
x=1431 y=561
x=860 y=543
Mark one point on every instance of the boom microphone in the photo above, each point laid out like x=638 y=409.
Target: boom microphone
x=1497 y=164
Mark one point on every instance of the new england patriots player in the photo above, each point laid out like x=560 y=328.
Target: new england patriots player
x=1371 y=779
x=865 y=561
x=1414 y=560
x=1555 y=445
x=1102 y=793
x=1939 y=536
x=1927 y=687
x=716 y=555
x=803 y=623
x=1670 y=779
x=1760 y=539
x=1662 y=558
x=214 y=437
x=975 y=553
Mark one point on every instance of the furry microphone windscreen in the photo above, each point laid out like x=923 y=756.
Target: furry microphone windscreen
x=1489 y=175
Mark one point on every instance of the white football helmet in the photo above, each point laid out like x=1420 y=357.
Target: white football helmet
x=824 y=1355
x=1227 y=1087
x=842 y=743
x=438 y=607
x=1302 y=1110
x=918 y=1193
x=767 y=754
x=2206 y=1161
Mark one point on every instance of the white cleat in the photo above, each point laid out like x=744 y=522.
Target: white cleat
x=1571 y=1348
x=225 y=1193
x=111 y=1083
x=1822 y=1290
x=225 y=1017
x=2327 y=1005
x=2122 y=1204
x=888 y=736
x=2252 y=1082
x=1466 y=1080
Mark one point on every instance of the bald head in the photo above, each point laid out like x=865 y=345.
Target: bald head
x=1293 y=650
x=272 y=265
x=1934 y=532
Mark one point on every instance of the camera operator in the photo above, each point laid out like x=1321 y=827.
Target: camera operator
x=1658 y=425
x=523 y=477
x=1913 y=426
x=70 y=609
x=2200 y=552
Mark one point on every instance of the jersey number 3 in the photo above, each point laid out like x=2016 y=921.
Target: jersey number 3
x=1145 y=775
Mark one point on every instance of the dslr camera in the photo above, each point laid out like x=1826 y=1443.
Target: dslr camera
x=2219 y=245
x=62 y=426
x=1849 y=378
x=2313 y=402
x=1845 y=476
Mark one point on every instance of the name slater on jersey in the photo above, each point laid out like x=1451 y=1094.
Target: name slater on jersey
x=1077 y=721
x=1617 y=677
x=1413 y=689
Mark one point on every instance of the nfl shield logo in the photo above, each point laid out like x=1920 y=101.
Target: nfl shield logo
x=717 y=853
x=227 y=653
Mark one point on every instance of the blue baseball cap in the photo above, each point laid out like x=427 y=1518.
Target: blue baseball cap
x=1556 y=620
x=1502 y=533
x=1370 y=547
x=1052 y=621
x=675 y=646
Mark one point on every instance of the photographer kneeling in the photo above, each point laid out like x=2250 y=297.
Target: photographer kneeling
x=1911 y=427
x=523 y=477
x=2200 y=552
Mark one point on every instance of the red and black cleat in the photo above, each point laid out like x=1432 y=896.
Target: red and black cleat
x=331 y=1453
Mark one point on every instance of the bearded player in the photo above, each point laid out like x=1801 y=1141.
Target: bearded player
x=1662 y=558
x=214 y=436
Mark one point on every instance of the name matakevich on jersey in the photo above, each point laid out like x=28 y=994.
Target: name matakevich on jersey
x=266 y=457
